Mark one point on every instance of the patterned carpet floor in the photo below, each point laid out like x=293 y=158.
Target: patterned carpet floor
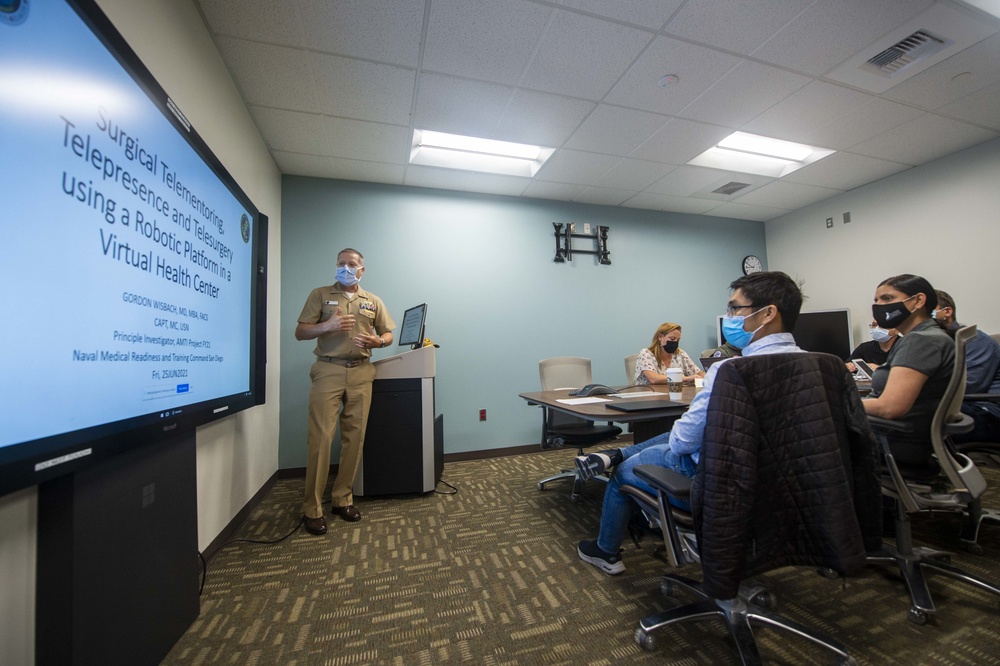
x=490 y=575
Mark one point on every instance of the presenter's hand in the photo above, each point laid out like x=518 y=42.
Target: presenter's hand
x=339 y=322
x=369 y=340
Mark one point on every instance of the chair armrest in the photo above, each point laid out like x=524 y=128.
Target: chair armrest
x=963 y=425
x=671 y=482
x=889 y=424
x=982 y=397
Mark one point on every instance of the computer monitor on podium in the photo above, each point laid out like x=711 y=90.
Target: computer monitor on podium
x=412 y=330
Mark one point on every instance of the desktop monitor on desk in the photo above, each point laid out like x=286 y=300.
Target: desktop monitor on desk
x=412 y=330
x=827 y=331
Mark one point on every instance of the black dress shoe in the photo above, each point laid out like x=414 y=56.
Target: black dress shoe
x=349 y=513
x=315 y=525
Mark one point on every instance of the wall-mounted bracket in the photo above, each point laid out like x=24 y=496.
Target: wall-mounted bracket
x=564 y=244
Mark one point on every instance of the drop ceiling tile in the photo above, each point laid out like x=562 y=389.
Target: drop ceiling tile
x=686 y=180
x=292 y=131
x=813 y=106
x=781 y=194
x=541 y=119
x=680 y=141
x=743 y=94
x=603 y=196
x=387 y=31
x=615 y=131
x=857 y=125
x=844 y=171
x=459 y=106
x=828 y=33
x=371 y=172
x=734 y=26
x=298 y=164
x=650 y=201
x=576 y=167
x=981 y=107
x=252 y=20
x=539 y=189
x=581 y=56
x=362 y=90
x=489 y=40
x=634 y=175
x=270 y=75
x=696 y=67
x=962 y=74
x=646 y=13
x=314 y=134
x=743 y=212
x=451 y=179
x=922 y=140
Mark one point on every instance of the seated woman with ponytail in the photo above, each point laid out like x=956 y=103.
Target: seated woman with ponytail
x=664 y=352
x=909 y=386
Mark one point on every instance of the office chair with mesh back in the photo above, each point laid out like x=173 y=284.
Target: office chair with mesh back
x=631 y=361
x=560 y=429
x=953 y=484
x=781 y=481
x=987 y=453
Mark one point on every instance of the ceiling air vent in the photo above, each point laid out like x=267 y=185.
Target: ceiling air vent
x=730 y=188
x=906 y=52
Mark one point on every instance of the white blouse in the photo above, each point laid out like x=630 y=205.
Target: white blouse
x=647 y=361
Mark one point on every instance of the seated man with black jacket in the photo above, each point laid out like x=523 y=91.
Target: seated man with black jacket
x=761 y=311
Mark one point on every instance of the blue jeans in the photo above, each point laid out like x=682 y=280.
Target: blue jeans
x=617 y=508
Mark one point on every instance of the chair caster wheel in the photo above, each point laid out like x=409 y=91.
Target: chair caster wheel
x=541 y=487
x=645 y=641
x=828 y=573
x=848 y=661
x=667 y=587
x=574 y=498
x=916 y=616
x=972 y=547
x=765 y=600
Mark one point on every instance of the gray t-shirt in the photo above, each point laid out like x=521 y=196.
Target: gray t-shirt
x=928 y=349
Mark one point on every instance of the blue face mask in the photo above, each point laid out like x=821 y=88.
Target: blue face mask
x=347 y=276
x=732 y=328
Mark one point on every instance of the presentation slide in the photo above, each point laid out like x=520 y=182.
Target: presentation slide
x=126 y=262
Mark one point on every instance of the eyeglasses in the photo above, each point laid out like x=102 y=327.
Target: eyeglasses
x=731 y=310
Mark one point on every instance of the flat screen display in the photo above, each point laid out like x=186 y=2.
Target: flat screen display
x=827 y=331
x=130 y=261
x=411 y=332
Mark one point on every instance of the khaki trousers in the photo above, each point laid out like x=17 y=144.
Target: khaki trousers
x=337 y=393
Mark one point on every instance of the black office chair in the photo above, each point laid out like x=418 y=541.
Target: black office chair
x=558 y=429
x=986 y=453
x=952 y=484
x=791 y=426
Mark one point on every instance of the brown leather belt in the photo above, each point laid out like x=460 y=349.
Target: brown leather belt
x=347 y=363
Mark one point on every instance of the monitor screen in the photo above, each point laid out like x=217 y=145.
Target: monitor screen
x=412 y=330
x=827 y=331
x=131 y=264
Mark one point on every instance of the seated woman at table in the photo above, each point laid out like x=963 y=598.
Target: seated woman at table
x=909 y=385
x=874 y=352
x=664 y=352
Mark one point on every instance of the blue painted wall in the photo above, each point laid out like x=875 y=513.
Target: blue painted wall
x=497 y=302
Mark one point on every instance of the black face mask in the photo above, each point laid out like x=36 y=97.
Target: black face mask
x=891 y=315
x=670 y=346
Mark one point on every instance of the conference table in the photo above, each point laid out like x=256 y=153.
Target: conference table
x=645 y=424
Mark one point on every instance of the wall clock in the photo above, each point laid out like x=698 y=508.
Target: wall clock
x=752 y=264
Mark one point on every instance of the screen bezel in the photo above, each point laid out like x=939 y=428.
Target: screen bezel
x=416 y=310
x=71 y=451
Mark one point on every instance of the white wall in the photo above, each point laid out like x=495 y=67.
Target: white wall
x=236 y=455
x=940 y=220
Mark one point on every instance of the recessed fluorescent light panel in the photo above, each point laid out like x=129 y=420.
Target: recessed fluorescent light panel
x=469 y=153
x=749 y=153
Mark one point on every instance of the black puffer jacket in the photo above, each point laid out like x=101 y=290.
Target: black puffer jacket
x=788 y=472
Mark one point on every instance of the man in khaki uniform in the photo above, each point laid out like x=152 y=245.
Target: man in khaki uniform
x=347 y=322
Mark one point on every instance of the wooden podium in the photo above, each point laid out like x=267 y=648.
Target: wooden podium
x=404 y=442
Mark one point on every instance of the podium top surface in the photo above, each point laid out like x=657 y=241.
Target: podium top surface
x=408 y=365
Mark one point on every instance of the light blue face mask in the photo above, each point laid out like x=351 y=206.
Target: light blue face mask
x=732 y=328
x=879 y=334
x=347 y=276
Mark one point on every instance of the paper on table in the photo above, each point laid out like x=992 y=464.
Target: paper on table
x=581 y=401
